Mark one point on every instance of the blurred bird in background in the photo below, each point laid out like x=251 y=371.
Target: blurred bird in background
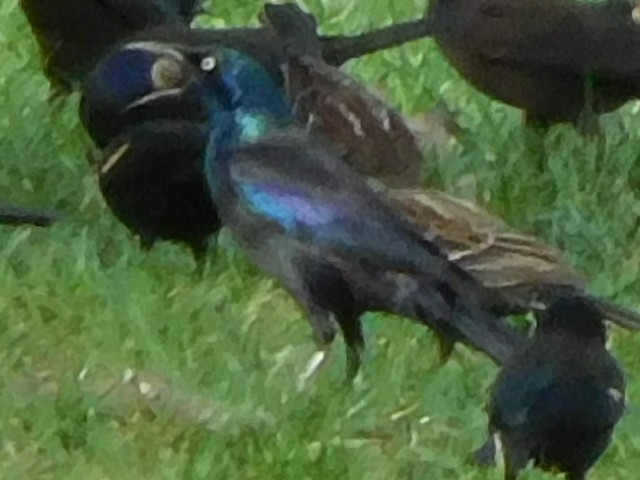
x=74 y=34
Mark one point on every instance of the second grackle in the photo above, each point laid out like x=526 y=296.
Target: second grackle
x=558 y=401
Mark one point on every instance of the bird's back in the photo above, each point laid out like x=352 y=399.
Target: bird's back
x=562 y=398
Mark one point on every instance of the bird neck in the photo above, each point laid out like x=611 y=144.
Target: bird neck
x=251 y=90
x=224 y=137
x=245 y=105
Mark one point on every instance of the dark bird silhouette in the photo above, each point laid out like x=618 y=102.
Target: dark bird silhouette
x=309 y=220
x=137 y=108
x=11 y=214
x=151 y=178
x=558 y=60
x=557 y=401
x=74 y=34
x=525 y=273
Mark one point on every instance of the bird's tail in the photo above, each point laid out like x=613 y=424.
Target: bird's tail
x=17 y=215
x=457 y=308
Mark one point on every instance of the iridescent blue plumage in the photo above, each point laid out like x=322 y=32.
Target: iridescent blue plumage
x=309 y=220
x=292 y=209
x=251 y=91
x=126 y=75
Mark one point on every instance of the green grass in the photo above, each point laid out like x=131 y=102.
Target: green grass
x=80 y=303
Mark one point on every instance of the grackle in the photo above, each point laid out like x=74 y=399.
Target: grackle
x=146 y=81
x=557 y=401
x=306 y=218
x=74 y=34
x=137 y=108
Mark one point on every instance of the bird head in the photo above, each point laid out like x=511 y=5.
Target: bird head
x=577 y=316
x=142 y=72
x=241 y=82
x=234 y=85
x=138 y=82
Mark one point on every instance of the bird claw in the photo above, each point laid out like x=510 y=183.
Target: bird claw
x=314 y=363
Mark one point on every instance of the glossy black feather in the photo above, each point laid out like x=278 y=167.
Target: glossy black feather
x=310 y=221
x=150 y=176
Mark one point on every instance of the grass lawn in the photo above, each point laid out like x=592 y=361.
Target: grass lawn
x=210 y=365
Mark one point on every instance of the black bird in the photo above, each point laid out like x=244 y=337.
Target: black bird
x=309 y=220
x=11 y=214
x=557 y=401
x=74 y=34
x=558 y=60
x=151 y=178
x=138 y=109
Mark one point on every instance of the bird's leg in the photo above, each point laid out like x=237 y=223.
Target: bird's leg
x=445 y=347
x=324 y=332
x=199 y=251
x=516 y=458
x=354 y=341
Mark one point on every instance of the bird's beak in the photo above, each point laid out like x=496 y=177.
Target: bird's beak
x=153 y=96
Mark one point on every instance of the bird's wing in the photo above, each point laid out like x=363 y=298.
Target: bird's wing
x=305 y=189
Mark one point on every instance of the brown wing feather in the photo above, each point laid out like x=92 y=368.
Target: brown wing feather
x=521 y=268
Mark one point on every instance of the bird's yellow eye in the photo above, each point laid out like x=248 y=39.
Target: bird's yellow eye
x=635 y=15
x=208 y=64
x=167 y=73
